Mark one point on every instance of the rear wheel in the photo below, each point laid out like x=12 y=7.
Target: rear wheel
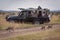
x=41 y=22
x=36 y=22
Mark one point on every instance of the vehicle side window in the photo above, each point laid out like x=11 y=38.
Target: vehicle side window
x=40 y=14
x=29 y=13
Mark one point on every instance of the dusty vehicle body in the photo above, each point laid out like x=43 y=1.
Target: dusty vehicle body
x=37 y=15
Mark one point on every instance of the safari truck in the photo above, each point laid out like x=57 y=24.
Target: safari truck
x=33 y=15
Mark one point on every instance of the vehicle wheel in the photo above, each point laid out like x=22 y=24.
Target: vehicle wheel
x=41 y=22
x=12 y=21
x=36 y=22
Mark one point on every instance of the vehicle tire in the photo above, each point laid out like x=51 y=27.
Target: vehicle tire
x=10 y=20
x=41 y=22
x=36 y=22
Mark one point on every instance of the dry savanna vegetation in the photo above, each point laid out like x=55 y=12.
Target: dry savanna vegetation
x=55 y=19
x=44 y=35
x=4 y=24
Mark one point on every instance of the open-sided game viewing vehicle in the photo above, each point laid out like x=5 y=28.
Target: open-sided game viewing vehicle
x=33 y=15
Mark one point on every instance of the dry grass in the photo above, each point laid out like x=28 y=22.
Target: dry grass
x=55 y=19
x=4 y=24
x=44 y=35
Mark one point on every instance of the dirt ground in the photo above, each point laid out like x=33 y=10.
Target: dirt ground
x=6 y=34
